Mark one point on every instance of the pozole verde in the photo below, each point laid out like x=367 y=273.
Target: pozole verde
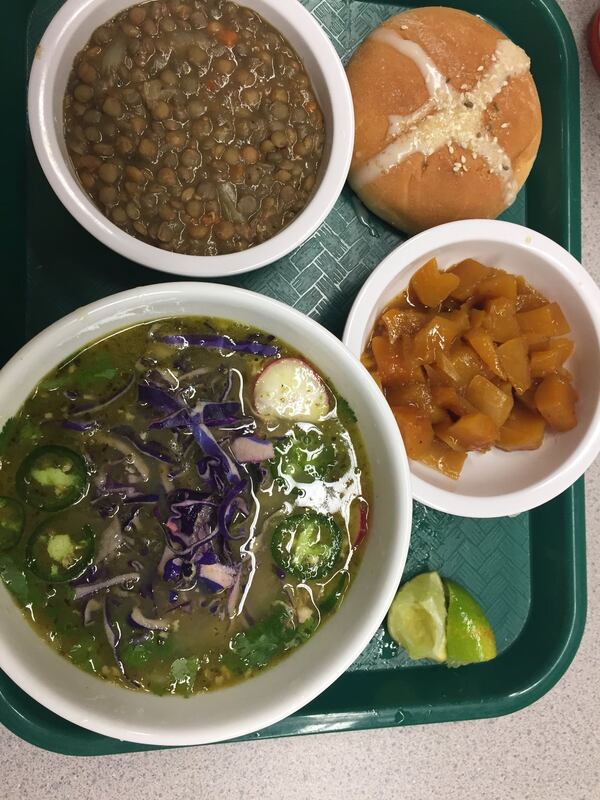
x=181 y=503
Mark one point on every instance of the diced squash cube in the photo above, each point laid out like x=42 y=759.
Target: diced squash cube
x=474 y=431
x=481 y=341
x=436 y=376
x=393 y=362
x=448 y=398
x=523 y=430
x=431 y=286
x=546 y=320
x=368 y=360
x=442 y=431
x=416 y=429
x=535 y=341
x=543 y=362
x=501 y=319
x=515 y=363
x=418 y=395
x=460 y=364
x=459 y=318
x=505 y=386
x=555 y=400
x=528 y=297
x=489 y=399
x=441 y=457
x=402 y=322
x=527 y=302
x=436 y=335
x=498 y=284
x=528 y=398
x=470 y=273
x=477 y=317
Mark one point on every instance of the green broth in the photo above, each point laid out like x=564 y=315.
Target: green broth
x=202 y=590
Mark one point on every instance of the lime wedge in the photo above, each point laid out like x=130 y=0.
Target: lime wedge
x=470 y=635
x=417 y=617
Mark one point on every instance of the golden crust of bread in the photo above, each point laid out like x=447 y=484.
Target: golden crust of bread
x=420 y=191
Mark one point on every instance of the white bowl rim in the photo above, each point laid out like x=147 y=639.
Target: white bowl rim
x=499 y=232
x=334 y=172
x=111 y=306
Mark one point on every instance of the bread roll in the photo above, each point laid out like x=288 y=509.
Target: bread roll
x=448 y=119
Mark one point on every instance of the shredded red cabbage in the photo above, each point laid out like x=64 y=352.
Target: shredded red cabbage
x=158 y=398
x=211 y=447
x=149 y=448
x=80 y=425
x=221 y=343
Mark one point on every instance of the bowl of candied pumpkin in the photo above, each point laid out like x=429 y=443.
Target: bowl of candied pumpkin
x=484 y=337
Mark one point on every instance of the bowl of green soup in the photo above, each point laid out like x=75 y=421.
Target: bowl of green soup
x=205 y=513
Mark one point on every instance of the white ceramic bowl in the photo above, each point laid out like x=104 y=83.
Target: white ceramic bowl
x=498 y=484
x=70 y=30
x=277 y=692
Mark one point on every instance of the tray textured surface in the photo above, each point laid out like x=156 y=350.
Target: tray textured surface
x=509 y=563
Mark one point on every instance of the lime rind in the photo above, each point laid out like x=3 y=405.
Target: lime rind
x=471 y=638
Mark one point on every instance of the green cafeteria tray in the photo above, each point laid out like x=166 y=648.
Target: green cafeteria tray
x=527 y=571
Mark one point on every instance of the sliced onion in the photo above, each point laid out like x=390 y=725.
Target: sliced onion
x=111 y=539
x=93 y=409
x=113 y=636
x=233 y=598
x=91 y=607
x=230 y=504
x=114 y=54
x=195 y=373
x=125 y=447
x=218 y=576
x=137 y=618
x=88 y=589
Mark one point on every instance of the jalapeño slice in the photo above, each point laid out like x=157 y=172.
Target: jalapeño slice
x=307 y=455
x=60 y=550
x=306 y=545
x=12 y=521
x=52 y=478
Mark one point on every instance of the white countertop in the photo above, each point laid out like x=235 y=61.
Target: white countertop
x=549 y=751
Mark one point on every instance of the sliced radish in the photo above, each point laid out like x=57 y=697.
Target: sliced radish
x=291 y=389
x=251 y=449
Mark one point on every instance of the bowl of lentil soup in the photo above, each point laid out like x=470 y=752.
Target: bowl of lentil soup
x=109 y=338
x=196 y=137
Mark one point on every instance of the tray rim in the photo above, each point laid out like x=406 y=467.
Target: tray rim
x=572 y=502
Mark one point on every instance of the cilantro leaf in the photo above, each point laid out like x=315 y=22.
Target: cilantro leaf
x=7 y=433
x=14 y=579
x=97 y=367
x=184 y=670
x=345 y=413
x=273 y=635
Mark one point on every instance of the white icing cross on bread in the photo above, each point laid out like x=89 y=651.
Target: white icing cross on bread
x=448 y=117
